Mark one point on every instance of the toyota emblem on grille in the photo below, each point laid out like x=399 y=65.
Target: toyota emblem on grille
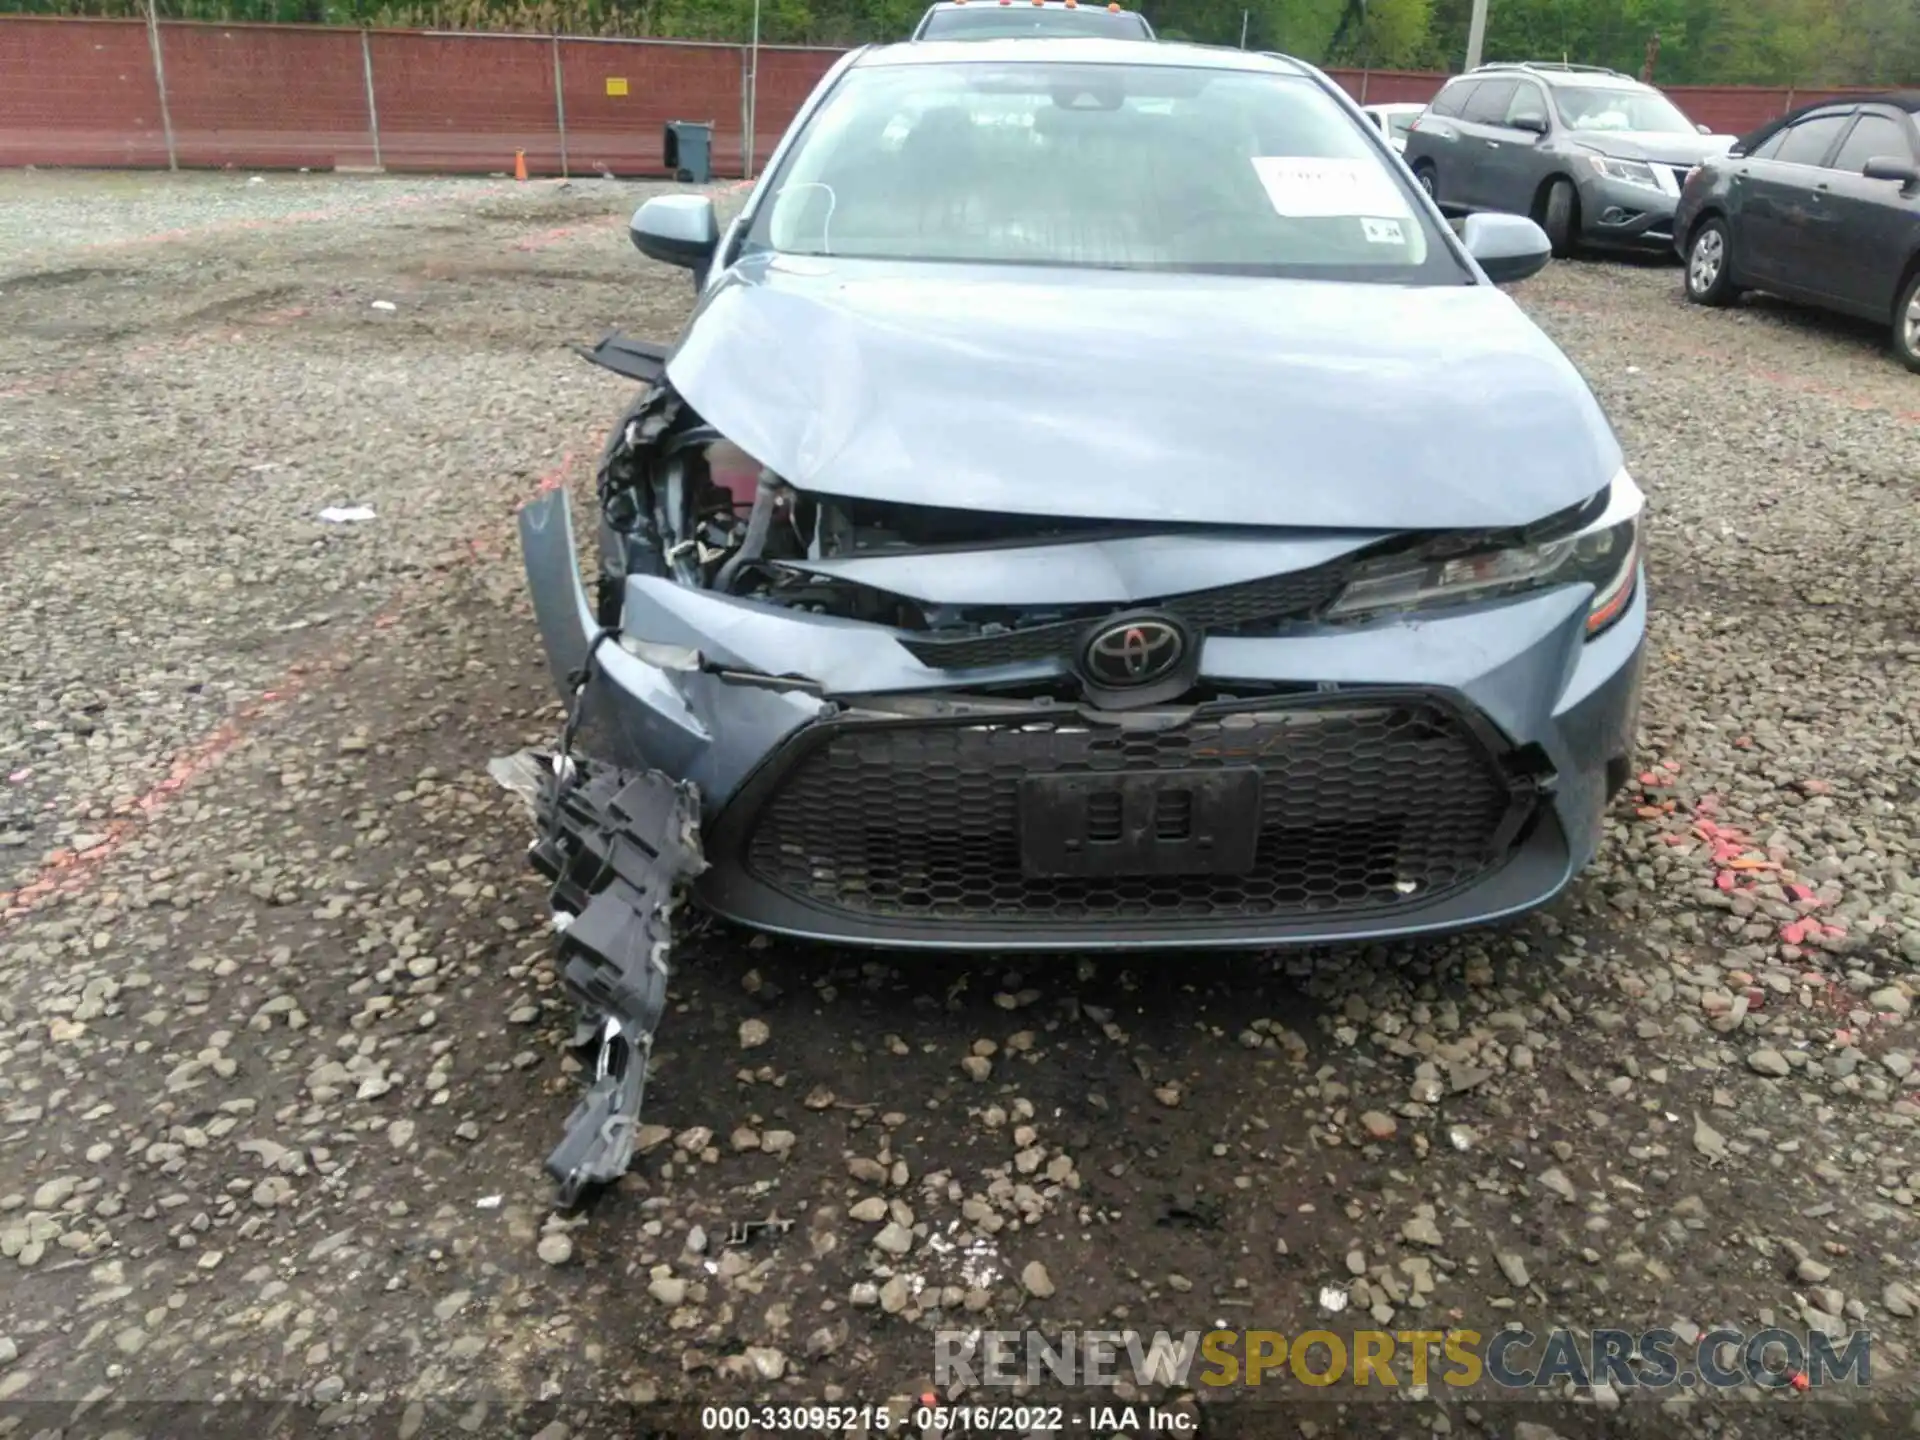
x=1133 y=652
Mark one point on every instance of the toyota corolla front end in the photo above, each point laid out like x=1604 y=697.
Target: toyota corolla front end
x=962 y=729
x=1047 y=569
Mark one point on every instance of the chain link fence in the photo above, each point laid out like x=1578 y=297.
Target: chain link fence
x=145 y=90
x=142 y=93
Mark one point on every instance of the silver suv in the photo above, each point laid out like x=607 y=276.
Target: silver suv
x=1592 y=155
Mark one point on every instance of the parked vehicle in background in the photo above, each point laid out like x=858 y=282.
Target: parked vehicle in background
x=1006 y=20
x=1821 y=206
x=1593 y=155
x=1393 y=121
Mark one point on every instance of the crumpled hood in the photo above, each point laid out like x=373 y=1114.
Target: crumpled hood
x=1146 y=397
x=1661 y=147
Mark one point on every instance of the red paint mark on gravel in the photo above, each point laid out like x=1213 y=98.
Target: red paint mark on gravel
x=180 y=345
x=1738 y=863
x=567 y=232
x=264 y=222
x=67 y=872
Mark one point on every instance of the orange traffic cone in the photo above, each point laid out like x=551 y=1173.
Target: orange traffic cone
x=519 y=164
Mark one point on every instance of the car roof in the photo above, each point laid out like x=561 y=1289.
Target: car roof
x=1099 y=5
x=1395 y=105
x=1091 y=50
x=1585 y=76
x=1907 y=100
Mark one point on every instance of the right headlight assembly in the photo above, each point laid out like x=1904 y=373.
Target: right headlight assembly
x=1601 y=550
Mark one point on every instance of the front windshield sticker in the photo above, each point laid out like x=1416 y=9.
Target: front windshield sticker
x=1311 y=187
x=1382 y=232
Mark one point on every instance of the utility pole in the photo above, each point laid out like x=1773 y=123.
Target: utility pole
x=1476 y=33
x=160 y=82
x=753 y=96
x=1243 y=28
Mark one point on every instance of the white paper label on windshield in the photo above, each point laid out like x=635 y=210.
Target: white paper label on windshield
x=1311 y=187
x=1382 y=232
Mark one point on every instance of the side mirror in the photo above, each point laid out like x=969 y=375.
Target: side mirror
x=1886 y=167
x=1532 y=124
x=676 y=230
x=1507 y=247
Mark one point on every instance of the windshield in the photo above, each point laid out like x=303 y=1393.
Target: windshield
x=1103 y=165
x=1001 y=24
x=1605 y=108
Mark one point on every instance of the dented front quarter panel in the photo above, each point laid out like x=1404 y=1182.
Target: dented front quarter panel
x=693 y=726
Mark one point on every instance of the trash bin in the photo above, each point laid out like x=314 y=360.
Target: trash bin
x=689 y=146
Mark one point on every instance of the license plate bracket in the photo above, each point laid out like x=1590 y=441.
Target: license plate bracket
x=1160 y=822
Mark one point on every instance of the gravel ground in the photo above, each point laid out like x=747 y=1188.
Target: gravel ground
x=281 y=1050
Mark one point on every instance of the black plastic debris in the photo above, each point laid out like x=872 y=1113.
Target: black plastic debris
x=744 y=1232
x=617 y=846
x=642 y=360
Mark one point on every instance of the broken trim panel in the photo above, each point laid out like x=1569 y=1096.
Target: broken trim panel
x=642 y=360
x=617 y=846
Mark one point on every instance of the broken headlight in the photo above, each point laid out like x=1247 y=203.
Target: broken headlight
x=1603 y=552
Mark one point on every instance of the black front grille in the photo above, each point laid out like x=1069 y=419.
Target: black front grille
x=1366 y=806
x=1276 y=597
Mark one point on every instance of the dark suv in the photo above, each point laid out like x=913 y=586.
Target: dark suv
x=1591 y=154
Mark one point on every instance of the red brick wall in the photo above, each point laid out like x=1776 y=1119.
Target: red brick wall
x=1736 y=109
x=787 y=77
x=78 y=92
x=258 y=98
x=1388 y=87
x=82 y=92
x=663 y=82
x=465 y=102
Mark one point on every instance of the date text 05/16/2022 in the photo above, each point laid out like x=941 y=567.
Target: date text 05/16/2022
x=930 y=1417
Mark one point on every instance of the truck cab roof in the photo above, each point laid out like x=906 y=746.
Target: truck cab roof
x=1011 y=19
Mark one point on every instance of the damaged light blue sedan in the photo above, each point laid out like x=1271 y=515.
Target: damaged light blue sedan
x=1098 y=502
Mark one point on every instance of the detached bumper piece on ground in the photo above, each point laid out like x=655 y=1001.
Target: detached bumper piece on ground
x=616 y=846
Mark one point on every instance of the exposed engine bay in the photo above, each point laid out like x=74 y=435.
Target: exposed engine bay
x=687 y=504
x=680 y=501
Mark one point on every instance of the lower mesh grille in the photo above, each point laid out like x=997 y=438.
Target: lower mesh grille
x=1363 y=807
